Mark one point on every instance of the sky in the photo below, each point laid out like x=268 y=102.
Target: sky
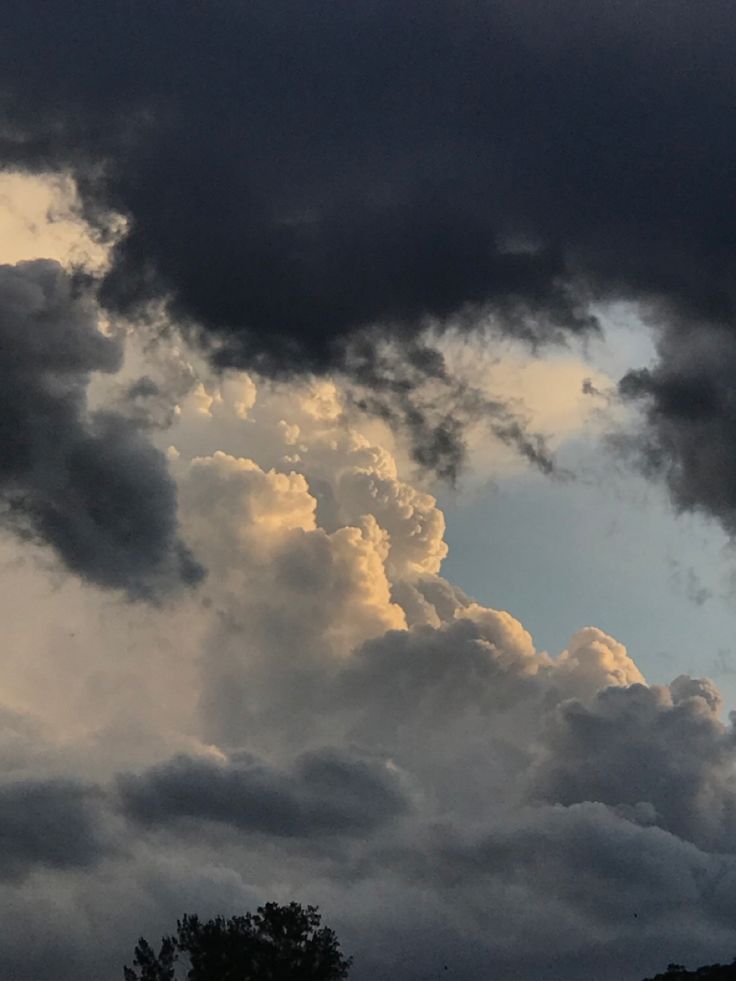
x=367 y=484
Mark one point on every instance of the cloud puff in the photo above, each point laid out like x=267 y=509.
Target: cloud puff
x=87 y=483
x=336 y=580
x=663 y=753
x=307 y=430
x=594 y=660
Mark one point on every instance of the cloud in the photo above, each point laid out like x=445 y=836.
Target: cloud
x=88 y=484
x=689 y=408
x=484 y=659
x=50 y=823
x=409 y=384
x=661 y=752
x=41 y=218
x=328 y=719
x=633 y=890
x=593 y=661
x=324 y=794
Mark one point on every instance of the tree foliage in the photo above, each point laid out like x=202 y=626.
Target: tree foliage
x=276 y=943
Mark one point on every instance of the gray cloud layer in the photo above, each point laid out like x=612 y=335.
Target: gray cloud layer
x=50 y=823
x=326 y=793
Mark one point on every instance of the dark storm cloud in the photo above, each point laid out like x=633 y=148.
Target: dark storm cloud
x=51 y=823
x=86 y=483
x=689 y=400
x=297 y=173
x=325 y=793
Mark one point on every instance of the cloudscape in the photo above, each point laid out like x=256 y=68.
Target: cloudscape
x=367 y=481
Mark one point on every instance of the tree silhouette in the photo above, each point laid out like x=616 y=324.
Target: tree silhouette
x=711 y=972
x=152 y=967
x=276 y=943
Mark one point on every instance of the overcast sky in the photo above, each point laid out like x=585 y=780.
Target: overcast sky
x=367 y=481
